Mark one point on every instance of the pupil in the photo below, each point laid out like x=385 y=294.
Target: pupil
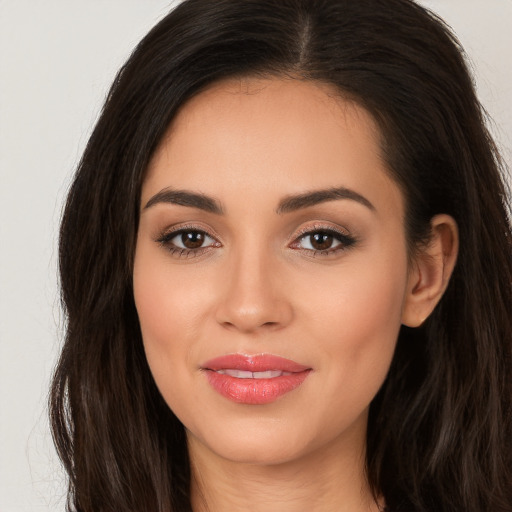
x=192 y=239
x=321 y=241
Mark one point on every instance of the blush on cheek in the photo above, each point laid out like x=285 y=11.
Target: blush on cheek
x=365 y=337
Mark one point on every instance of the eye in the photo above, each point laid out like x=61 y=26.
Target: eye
x=319 y=241
x=323 y=241
x=187 y=241
x=191 y=239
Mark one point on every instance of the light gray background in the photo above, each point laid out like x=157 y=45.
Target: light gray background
x=57 y=59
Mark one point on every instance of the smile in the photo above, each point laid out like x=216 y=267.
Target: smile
x=254 y=380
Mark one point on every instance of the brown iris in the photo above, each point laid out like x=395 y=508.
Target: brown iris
x=192 y=239
x=321 y=241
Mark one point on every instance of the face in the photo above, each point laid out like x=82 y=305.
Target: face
x=270 y=269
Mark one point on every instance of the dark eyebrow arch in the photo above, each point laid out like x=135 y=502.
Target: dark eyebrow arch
x=186 y=198
x=307 y=199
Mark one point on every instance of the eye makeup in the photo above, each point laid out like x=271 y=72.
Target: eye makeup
x=318 y=240
x=187 y=241
x=321 y=240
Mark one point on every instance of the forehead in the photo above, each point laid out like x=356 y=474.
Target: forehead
x=270 y=135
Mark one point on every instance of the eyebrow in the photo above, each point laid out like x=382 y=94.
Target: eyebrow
x=307 y=199
x=287 y=205
x=186 y=198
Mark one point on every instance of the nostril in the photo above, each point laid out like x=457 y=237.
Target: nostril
x=249 y=326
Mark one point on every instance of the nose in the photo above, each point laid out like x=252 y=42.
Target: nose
x=254 y=296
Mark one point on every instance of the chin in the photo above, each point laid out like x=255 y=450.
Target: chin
x=266 y=441
x=259 y=441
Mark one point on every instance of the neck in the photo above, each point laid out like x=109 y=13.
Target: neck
x=326 y=480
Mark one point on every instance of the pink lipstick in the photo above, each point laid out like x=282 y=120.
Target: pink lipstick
x=254 y=380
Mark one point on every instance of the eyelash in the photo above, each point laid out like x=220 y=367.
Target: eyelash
x=345 y=241
x=182 y=252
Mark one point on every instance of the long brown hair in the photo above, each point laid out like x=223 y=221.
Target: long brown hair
x=440 y=428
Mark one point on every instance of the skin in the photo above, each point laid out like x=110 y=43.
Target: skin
x=257 y=286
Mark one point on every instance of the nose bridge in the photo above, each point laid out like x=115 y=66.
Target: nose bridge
x=252 y=297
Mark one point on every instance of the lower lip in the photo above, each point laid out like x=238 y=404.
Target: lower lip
x=255 y=391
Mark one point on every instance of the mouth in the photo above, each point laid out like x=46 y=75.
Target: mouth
x=254 y=380
x=242 y=374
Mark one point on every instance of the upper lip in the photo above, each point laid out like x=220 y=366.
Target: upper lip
x=253 y=363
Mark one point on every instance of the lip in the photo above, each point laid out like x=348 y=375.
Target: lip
x=250 y=390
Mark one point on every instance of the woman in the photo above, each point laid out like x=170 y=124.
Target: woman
x=291 y=287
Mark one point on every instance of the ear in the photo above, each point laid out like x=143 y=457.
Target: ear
x=431 y=271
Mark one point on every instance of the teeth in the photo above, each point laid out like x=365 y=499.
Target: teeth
x=242 y=374
x=267 y=375
x=239 y=374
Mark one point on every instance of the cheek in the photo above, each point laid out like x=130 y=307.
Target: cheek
x=167 y=314
x=170 y=298
x=357 y=325
x=372 y=304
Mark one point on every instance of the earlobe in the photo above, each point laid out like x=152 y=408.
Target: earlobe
x=431 y=271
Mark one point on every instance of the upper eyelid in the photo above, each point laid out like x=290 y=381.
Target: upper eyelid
x=306 y=230
x=178 y=228
x=302 y=231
